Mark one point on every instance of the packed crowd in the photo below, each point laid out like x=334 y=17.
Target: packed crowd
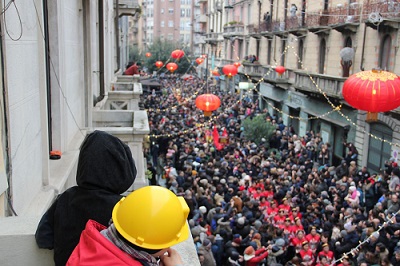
x=278 y=202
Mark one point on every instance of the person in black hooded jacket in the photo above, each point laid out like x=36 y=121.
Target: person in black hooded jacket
x=106 y=169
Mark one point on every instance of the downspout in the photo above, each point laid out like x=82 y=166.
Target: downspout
x=48 y=71
x=101 y=50
x=6 y=147
x=117 y=36
x=364 y=37
x=276 y=19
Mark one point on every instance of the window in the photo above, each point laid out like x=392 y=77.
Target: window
x=322 y=52
x=188 y=12
x=162 y=10
x=300 y=52
x=269 y=52
x=182 y=25
x=348 y=42
x=162 y=23
x=170 y=37
x=170 y=23
x=384 y=53
x=182 y=13
x=379 y=151
x=283 y=52
x=171 y=11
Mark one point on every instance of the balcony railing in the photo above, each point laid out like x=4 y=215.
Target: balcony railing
x=387 y=9
x=331 y=85
x=212 y=37
x=234 y=30
x=202 y=18
x=344 y=14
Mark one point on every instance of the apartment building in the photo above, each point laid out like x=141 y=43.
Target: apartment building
x=308 y=38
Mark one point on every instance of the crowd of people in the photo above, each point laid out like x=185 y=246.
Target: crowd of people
x=277 y=202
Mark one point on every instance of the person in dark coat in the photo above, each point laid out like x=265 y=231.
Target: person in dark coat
x=106 y=169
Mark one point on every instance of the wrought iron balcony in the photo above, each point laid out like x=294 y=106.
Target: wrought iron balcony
x=385 y=13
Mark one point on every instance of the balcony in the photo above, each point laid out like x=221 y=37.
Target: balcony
x=128 y=123
x=129 y=8
x=213 y=37
x=202 y=18
x=232 y=30
x=253 y=30
x=385 y=13
x=275 y=27
x=318 y=23
x=296 y=26
x=331 y=85
x=345 y=18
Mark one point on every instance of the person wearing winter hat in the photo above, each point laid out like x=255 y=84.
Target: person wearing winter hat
x=206 y=252
x=253 y=257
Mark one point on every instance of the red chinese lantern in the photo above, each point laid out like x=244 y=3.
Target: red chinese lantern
x=148 y=54
x=159 y=64
x=280 y=70
x=208 y=103
x=236 y=64
x=230 y=70
x=177 y=54
x=172 y=67
x=215 y=72
x=373 y=91
x=199 y=60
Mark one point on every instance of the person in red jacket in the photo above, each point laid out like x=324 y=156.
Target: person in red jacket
x=144 y=226
x=132 y=69
x=253 y=257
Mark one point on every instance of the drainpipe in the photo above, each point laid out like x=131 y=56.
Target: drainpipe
x=363 y=43
x=48 y=71
x=116 y=25
x=101 y=50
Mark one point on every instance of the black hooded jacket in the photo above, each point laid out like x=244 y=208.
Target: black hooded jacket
x=105 y=170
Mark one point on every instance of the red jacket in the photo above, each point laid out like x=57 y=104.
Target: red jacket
x=95 y=249
x=261 y=254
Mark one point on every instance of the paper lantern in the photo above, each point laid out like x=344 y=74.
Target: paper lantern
x=216 y=73
x=372 y=91
x=159 y=64
x=208 y=103
x=237 y=64
x=172 y=67
x=199 y=60
x=280 y=70
x=177 y=54
x=230 y=70
x=148 y=54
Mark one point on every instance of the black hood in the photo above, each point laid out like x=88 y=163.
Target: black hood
x=105 y=162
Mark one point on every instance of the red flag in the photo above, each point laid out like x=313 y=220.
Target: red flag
x=225 y=133
x=218 y=145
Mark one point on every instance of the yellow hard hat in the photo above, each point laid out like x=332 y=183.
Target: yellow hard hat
x=152 y=217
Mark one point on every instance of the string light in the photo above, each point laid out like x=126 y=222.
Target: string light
x=355 y=250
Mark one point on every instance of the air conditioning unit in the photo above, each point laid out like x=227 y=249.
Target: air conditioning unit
x=350 y=19
x=375 y=17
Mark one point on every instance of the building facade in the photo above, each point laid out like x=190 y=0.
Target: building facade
x=309 y=40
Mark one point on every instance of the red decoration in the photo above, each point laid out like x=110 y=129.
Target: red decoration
x=199 y=60
x=208 y=103
x=372 y=91
x=172 y=67
x=177 y=54
x=237 y=64
x=280 y=70
x=148 y=54
x=215 y=72
x=230 y=70
x=159 y=64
